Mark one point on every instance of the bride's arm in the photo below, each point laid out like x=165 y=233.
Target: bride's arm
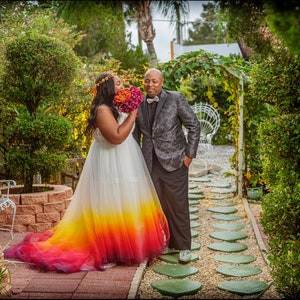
x=113 y=132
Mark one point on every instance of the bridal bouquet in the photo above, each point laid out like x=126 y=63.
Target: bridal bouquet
x=128 y=99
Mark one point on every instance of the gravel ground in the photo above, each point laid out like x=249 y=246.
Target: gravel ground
x=206 y=264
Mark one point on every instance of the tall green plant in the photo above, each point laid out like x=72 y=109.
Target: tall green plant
x=281 y=208
x=275 y=81
x=37 y=72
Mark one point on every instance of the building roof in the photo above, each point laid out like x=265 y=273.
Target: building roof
x=220 y=49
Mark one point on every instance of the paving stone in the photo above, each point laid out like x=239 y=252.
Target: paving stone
x=175 y=271
x=219 y=184
x=228 y=247
x=196 y=196
x=238 y=271
x=220 y=197
x=226 y=217
x=243 y=287
x=193 y=217
x=192 y=185
x=195 y=191
x=199 y=179
x=194 y=233
x=193 y=202
x=195 y=246
x=176 y=287
x=223 y=210
x=223 y=190
x=193 y=209
x=225 y=204
x=173 y=258
x=235 y=258
x=228 y=236
x=229 y=226
x=194 y=224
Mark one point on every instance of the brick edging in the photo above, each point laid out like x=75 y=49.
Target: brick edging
x=40 y=211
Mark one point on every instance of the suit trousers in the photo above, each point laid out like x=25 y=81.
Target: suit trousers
x=172 y=190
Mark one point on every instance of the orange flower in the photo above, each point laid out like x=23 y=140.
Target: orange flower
x=128 y=99
x=123 y=96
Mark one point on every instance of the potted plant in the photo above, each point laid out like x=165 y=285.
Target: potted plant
x=254 y=186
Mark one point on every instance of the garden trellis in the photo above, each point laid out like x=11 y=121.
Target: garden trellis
x=228 y=72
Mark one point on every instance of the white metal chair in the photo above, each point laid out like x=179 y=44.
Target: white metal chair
x=209 y=120
x=6 y=202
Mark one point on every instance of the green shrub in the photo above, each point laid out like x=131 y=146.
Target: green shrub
x=280 y=219
x=280 y=216
x=38 y=71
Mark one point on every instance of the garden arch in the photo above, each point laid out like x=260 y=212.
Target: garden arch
x=229 y=72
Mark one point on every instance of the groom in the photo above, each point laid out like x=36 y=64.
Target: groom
x=168 y=154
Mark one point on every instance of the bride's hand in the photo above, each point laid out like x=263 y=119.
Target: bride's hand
x=134 y=113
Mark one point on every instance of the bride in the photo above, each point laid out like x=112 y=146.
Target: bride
x=115 y=215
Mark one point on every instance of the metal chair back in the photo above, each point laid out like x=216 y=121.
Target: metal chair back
x=5 y=203
x=209 y=119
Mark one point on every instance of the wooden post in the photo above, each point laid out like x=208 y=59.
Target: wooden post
x=172 y=49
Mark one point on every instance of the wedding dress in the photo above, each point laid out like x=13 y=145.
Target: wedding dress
x=114 y=216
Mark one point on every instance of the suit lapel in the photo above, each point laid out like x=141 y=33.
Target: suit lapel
x=144 y=112
x=161 y=103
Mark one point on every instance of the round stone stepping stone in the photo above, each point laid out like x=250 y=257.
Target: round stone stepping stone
x=225 y=204
x=176 y=287
x=235 y=258
x=194 y=224
x=195 y=191
x=222 y=190
x=226 y=217
x=220 y=197
x=223 y=210
x=194 y=233
x=243 y=287
x=193 y=210
x=200 y=179
x=228 y=247
x=175 y=271
x=219 y=185
x=195 y=246
x=238 y=271
x=229 y=226
x=196 y=196
x=192 y=185
x=228 y=236
x=173 y=258
x=193 y=202
x=194 y=217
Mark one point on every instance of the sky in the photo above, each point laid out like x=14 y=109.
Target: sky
x=165 y=33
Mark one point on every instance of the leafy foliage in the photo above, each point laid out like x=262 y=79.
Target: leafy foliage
x=212 y=78
x=280 y=152
x=36 y=145
x=37 y=68
x=37 y=71
x=280 y=220
x=208 y=29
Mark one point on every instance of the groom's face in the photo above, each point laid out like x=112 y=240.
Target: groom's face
x=153 y=83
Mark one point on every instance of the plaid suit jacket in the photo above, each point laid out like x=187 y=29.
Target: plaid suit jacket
x=166 y=137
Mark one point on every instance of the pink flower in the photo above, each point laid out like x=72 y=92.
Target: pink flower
x=128 y=99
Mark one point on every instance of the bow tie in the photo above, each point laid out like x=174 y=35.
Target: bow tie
x=150 y=100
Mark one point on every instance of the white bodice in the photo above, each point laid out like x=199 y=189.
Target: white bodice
x=97 y=133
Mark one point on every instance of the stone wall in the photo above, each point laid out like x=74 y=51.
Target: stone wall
x=37 y=212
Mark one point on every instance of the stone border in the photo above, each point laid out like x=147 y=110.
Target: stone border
x=37 y=212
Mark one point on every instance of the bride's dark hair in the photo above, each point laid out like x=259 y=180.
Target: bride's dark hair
x=104 y=94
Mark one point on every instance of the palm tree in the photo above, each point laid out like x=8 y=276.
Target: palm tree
x=175 y=10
